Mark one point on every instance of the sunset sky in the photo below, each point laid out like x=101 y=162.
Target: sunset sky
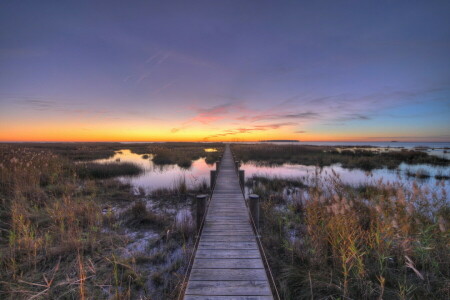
x=224 y=70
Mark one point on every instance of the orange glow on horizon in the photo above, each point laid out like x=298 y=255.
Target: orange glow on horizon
x=162 y=131
x=99 y=135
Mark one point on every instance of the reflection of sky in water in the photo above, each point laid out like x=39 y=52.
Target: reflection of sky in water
x=155 y=176
x=165 y=176
x=436 y=149
x=354 y=176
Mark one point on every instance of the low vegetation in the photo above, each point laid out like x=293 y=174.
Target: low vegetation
x=183 y=154
x=420 y=173
x=328 y=240
x=273 y=184
x=66 y=231
x=270 y=154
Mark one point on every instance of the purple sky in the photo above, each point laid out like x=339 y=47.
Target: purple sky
x=205 y=70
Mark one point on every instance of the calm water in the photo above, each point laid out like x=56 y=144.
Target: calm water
x=356 y=176
x=155 y=177
x=441 y=149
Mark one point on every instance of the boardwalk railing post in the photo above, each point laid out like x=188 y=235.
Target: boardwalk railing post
x=212 y=179
x=238 y=164
x=242 y=178
x=217 y=165
x=201 y=209
x=254 y=208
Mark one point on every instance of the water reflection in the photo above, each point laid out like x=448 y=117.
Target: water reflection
x=156 y=176
x=355 y=176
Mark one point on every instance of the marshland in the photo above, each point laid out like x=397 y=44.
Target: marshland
x=243 y=150
x=116 y=220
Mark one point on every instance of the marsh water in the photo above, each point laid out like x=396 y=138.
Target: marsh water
x=357 y=177
x=166 y=176
x=160 y=176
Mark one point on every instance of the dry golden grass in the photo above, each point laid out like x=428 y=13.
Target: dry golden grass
x=334 y=241
x=56 y=240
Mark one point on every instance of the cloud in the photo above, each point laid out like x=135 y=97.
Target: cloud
x=329 y=110
x=70 y=107
x=243 y=130
x=355 y=116
x=215 y=113
x=280 y=116
x=178 y=129
x=37 y=104
x=158 y=58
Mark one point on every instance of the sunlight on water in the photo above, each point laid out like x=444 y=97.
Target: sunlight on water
x=210 y=150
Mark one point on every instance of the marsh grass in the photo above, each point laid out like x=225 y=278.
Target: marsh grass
x=48 y=224
x=138 y=216
x=183 y=154
x=169 y=153
x=60 y=239
x=272 y=154
x=420 y=173
x=370 y=242
x=274 y=183
x=442 y=176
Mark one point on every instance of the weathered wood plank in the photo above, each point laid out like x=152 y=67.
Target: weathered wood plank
x=194 y=297
x=228 y=238
x=228 y=263
x=228 y=245
x=229 y=288
x=208 y=253
x=230 y=274
x=226 y=232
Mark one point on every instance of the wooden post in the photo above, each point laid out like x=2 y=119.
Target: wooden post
x=253 y=200
x=238 y=164
x=217 y=165
x=242 y=178
x=212 y=179
x=201 y=209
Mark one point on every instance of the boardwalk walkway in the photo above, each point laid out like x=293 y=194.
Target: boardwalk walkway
x=227 y=263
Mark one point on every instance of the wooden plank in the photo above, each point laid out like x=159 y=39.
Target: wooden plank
x=226 y=231
x=230 y=222
x=228 y=238
x=228 y=263
x=228 y=245
x=231 y=274
x=208 y=253
x=229 y=288
x=196 y=297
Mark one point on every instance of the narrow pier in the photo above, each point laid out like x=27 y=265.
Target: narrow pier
x=228 y=263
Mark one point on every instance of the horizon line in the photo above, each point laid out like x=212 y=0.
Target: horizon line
x=293 y=141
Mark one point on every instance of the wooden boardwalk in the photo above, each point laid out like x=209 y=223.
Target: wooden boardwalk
x=228 y=263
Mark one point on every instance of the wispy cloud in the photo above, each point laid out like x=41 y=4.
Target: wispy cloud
x=300 y=111
x=70 y=108
x=243 y=130
x=280 y=116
